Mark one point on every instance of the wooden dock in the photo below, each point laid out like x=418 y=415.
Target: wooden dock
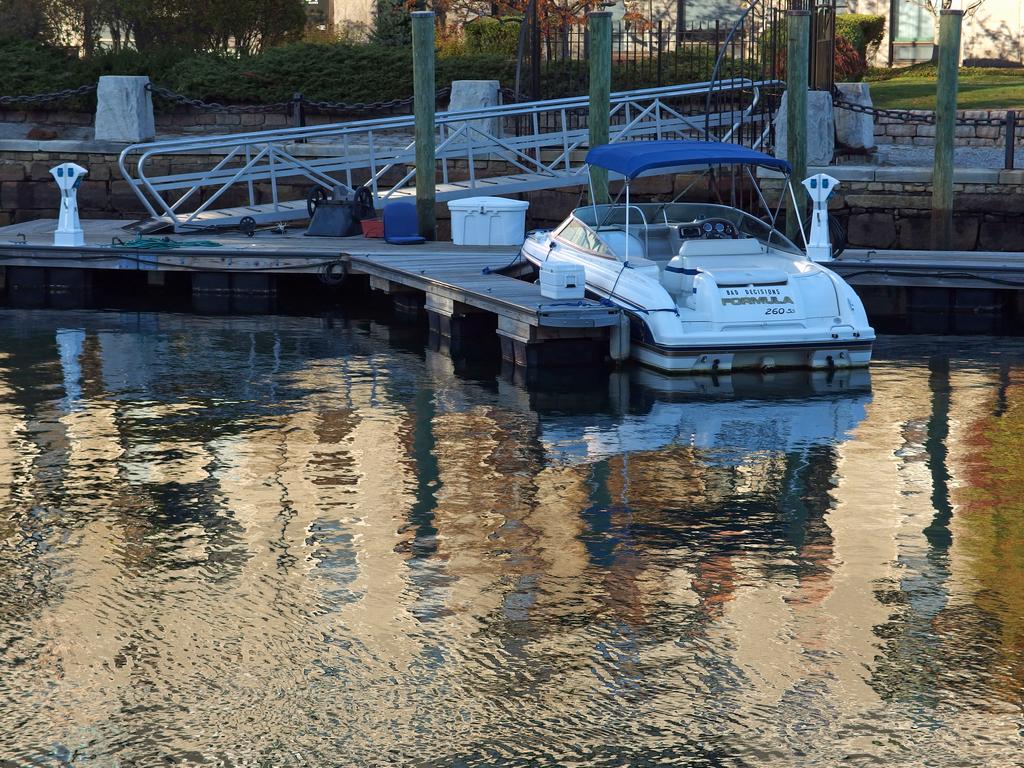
x=931 y=269
x=957 y=292
x=461 y=288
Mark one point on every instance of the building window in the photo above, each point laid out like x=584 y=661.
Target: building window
x=914 y=33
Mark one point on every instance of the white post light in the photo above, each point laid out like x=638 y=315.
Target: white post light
x=69 y=178
x=820 y=188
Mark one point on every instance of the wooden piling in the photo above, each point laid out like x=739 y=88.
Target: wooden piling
x=798 y=42
x=424 y=90
x=1011 y=139
x=950 y=24
x=600 y=29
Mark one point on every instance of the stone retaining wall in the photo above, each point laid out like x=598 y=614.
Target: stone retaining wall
x=27 y=190
x=880 y=207
x=891 y=207
x=889 y=130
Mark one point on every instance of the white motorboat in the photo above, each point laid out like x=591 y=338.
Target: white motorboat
x=709 y=288
x=786 y=412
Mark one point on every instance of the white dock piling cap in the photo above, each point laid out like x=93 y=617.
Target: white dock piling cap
x=68 y=176
x=820 y=188
x=69 y=229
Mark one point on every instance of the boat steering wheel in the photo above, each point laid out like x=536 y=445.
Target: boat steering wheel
x=717 y=229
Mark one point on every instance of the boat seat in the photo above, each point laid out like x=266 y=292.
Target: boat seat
x=753 y=276
x=655 y=240
x=746 y=246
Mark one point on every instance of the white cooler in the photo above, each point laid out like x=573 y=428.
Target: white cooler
x=488 y=221
x=561 y=280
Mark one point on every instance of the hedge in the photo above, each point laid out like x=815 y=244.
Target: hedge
x=321 y=72
x=928 y=70
x=342 y=72
x=864 y=31
x=339 y=72
x=487 y=34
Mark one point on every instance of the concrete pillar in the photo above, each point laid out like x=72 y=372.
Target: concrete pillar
x=855 y=130
x=819 y=131
x=124 y=109
x=476 y=94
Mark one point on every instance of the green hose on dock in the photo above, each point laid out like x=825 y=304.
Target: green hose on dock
x=140 y=243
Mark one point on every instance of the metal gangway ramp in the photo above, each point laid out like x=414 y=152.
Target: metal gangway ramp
x=205 y=182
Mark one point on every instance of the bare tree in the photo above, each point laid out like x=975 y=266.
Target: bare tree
x=935 y=7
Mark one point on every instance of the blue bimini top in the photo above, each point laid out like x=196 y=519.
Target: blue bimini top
x=632 y=158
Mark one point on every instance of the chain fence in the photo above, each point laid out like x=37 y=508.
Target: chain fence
x=1007 y=124
x=297 y=102
x=296 y=105
x=921 y=117
x=49 y=98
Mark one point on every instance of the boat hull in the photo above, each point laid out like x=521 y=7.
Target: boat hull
x=711 y=359
x=660 y=339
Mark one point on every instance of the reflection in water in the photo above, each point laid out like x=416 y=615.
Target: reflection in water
x=290 y=542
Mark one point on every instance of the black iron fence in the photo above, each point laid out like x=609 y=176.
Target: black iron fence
x=822 y=74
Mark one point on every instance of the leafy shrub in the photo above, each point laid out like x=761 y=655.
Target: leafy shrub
x=337 y=72
x=392 y=24
x=348 y=73
x=850 y=63
x=864 y=31
x=930 y=70
x=499 y=37
x=28 y=68
x=450 y=41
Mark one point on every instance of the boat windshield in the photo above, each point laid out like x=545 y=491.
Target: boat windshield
x=643 y=215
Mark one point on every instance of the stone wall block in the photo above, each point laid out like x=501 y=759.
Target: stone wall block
x=1007 y=235
x=101 y=171
x=124 y=109
x=9 y=195
x=872 y=230
x=855 y=129
x=821 y=128
x=915 y=232
x=888 y=202
x=93 y=195
x=122 y=198
x=11 y=170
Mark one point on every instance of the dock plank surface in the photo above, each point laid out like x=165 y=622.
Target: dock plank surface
x=931 y=269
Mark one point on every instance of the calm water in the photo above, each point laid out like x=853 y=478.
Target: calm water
x=292 y=542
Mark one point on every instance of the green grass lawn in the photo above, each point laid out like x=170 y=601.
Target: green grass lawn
x=978 y=89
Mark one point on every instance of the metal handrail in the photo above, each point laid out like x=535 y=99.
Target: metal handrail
x=279 y=154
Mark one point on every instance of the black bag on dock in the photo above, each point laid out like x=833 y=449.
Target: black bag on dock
x=338 y=215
